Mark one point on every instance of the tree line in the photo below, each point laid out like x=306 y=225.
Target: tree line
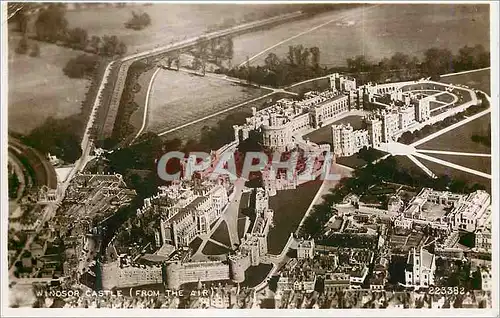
x=52 y=26
x=215 y=50
x=301 y=63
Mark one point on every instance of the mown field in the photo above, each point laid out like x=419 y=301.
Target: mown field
x=376 y=32
x=169 y=22
x=480 y=80
x=178 y=98
x=459 y=139
x=38 y=88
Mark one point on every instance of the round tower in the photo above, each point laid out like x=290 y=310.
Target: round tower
x=237 y=268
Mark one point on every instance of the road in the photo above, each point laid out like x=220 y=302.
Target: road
x=125 y=62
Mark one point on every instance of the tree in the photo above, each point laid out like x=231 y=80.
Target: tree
x=95 y=43
x=51 y=23
x=138 y=21
x=35 y=50
x=78 y=38
x=81 y=66
x=315 y=58
x=272 y=62
x=22 y=46
x=111 y=46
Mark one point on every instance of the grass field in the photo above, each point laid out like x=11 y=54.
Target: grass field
x=289 y=207
x=177 y=98
x=221 y=234
x=214 y=249
x=456 y=174
x=480 y=80
x=38 y=88
x=459 y=139
x=324 y=134
x=168 y=21
x=445 y=98
x=194 y=131
x=377 y=33
x=477 y=163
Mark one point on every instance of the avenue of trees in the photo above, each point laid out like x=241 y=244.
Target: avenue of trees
x=301 y=63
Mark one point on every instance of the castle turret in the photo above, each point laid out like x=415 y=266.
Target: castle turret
x=238 y=264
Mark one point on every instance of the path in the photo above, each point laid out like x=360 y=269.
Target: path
x=146 y=106
x=451 y=127
x=465 y=72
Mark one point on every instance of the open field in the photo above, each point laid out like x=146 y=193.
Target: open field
x=477 y=163
x=289 y=207
x=324 y=134
x=38 y=88
x=168 y=21
x=459 y=139
x=178 y=98
x=375 y=32
x=480 y=80
x=194 y=131
x=457 y=174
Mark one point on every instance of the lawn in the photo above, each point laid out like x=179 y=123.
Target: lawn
x=477 y=163
x=221 y=234
x=459 y=139
x=194 y=131
x=195 y=244
x=353 y=161
x=324 y=134
x=376 y=33
x=319 y=85
x=214 y=249
x=480 y=80
x=445 y=98
x=434 y=105
x=254 y=275
x=241 y=227
x=168 y=21
x=38 y=88
x=439 y=169
x=178 y=98
x=289 y=207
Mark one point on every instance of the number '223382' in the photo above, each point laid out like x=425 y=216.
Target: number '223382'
x=447 y=290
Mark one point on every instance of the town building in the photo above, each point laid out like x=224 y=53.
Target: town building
x=305 y=249
x=420 y=268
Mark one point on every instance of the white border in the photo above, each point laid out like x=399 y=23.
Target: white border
x=47 y=312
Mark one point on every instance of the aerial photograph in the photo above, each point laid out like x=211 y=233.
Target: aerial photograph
x=320 y=156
